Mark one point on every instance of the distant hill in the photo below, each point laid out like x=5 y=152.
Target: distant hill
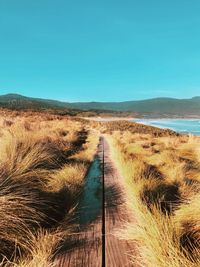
x=19 y=101
x=156 y=107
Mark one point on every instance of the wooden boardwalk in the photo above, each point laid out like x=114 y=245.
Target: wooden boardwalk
x=96 y=243
x=116 y=215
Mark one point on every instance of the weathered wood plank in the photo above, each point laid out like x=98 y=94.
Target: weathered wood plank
x=85 y=247
x=118 y=251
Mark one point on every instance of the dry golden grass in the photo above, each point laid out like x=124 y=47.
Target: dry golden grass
x=131 y=127
x=161 y=175
x=43 y=162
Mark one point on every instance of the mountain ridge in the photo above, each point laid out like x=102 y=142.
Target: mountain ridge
x=154 y=106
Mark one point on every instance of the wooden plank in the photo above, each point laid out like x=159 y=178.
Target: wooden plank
x=85 y=247
x=89 y=247
x=116 y=214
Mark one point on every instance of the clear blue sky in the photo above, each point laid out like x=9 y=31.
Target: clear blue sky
x=84 y=50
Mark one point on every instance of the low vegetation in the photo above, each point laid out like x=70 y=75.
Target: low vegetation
x=108 y=127
x=162 y=177
x=43 y=162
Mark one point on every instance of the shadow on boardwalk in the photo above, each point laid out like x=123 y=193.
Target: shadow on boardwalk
x=84 y=248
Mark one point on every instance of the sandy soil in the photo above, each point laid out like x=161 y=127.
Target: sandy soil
x=100 y=119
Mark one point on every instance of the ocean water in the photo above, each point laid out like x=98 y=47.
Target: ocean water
x=179 y=125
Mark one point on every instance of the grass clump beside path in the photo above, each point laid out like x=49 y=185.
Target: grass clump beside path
x=162 y=178
x=43 y=162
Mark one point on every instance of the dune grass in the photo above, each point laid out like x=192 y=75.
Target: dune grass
x=43 y=162
x=161 y=175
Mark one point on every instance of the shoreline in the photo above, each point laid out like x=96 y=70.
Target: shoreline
x=148 y=123
x=136 y=119
x=171 y=119
x=152 y=122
